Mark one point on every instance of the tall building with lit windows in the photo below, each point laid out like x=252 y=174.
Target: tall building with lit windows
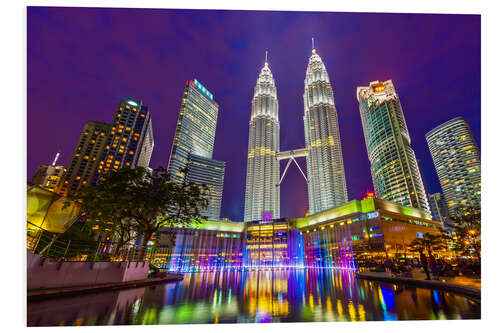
x=262 y=192
x=85 y=161
x=439 y=208
x=457 y=161
x=131 y=141
x=194 y=141
x=394 y=168
x=325 y=164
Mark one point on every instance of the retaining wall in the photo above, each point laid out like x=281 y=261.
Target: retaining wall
x=44 y=273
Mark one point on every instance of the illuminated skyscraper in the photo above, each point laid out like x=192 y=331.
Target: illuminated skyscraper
x=457 y=161
x=262 y=193
x=85 y=162
x=210 y=172
x=131 y=140
x=438 y=207
x=193 y=144
x=325 y=164
x=394 y=168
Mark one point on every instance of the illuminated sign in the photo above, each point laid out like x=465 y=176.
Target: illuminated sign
x=420 y=235
x=203 y=90
x=266 y=217
x=372 y=215
x=379 y=88
x=132 y=103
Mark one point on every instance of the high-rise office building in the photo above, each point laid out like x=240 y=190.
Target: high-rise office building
x=49 y=176
x=262 y=193
x=394 y=168
x=130 y=142
x=194 y=144
x=325 y=164
x=84 y=164
x=202 y=170
x=457 y=161
x=438 y=207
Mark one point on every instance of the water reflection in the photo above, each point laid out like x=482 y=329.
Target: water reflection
x=255 y=296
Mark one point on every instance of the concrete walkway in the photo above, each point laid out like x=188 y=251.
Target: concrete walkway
x=465 y=286
x=43 y=294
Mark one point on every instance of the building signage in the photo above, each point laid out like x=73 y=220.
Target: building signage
x=372 y=215
x=203 y=90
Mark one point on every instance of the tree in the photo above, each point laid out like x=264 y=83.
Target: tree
x=430 y=243
x=135 y=201
x=466 y=225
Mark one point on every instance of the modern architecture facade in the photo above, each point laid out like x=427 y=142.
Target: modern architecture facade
x=262 y=192
x=194 y=141
x=341 y=237
x=85 y=163
x=325 y=165
x=457 y=161
x=394 y=168
x=130 y=143
x=209 y=172
x=439 y=208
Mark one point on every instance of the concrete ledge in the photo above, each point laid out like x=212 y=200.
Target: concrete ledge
x=39 y=295
x=470 y=292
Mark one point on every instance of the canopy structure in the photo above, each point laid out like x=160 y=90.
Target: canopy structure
x=45 y=210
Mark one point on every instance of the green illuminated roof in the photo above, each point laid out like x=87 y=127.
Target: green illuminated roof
x=219 y=226
x=359 y=206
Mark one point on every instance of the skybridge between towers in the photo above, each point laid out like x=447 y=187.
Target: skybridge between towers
x=290 y=155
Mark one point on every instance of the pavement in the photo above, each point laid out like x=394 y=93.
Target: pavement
x=43 y=294
x=466 y=286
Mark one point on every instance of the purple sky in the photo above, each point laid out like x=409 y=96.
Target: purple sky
x=81 y=61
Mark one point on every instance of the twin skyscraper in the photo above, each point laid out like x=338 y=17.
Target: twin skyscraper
x=323 y=152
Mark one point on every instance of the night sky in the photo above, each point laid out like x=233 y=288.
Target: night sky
x=82 y=61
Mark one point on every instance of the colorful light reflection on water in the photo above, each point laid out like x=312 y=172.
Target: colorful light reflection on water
x=234 y=296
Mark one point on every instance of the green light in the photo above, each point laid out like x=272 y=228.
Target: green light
x=219 y=226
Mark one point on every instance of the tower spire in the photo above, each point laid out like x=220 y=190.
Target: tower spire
x=55 y=159
x=313 y=49
x=266 y=56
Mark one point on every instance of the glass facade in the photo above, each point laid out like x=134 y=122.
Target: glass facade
x=439 y=208
x=394 y=168
x=338 y=238
x=194 y=144
x=457 y=161
x=325 y=164
x=211 y=173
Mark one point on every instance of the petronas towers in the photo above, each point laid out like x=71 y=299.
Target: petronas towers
x=323 y=152
x=262 y=193
x=325 y=165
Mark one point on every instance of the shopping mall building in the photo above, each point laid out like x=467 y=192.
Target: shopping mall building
x=338 y=238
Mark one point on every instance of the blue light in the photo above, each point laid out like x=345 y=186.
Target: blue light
x=420 y=235
x=372 y=215
x=203 y=90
